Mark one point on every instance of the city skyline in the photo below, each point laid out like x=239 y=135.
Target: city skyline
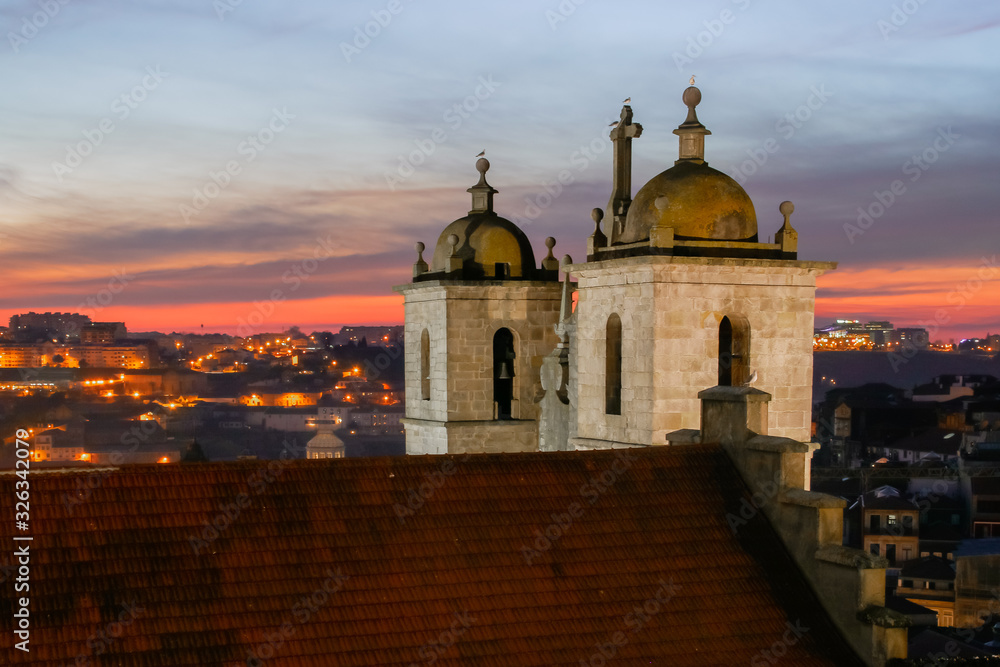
x=280 y=165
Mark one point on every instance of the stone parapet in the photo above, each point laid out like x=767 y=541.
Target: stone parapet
x=850 y=583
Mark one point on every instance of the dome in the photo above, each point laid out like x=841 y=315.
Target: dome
x=697 y=201
x=488 y=245
x=485 y=240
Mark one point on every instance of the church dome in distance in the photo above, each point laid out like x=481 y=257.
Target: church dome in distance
x=488 y=245
x=697 y=201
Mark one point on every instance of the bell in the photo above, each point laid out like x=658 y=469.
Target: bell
x=504 y=372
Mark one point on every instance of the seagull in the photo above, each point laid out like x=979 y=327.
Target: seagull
x=627 y=100
x=482 y=154
x=753 y=378
x=614 y=124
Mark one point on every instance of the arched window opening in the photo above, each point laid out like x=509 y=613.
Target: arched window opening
x=425 y=365
x=613 y=366
x=503 y=373
x=734 y=352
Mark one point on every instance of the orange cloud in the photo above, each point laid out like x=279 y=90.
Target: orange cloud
x=326 y=313
x=959 y=301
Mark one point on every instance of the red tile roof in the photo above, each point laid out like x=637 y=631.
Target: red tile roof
x=345 y=563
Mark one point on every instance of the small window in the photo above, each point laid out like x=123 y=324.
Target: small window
x=890 y=520
x=503 y=373
x=501 y=270
x=425 y=365
x=613 y=366
x=874 y=549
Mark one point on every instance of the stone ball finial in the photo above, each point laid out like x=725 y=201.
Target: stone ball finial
x=550 y=243
x=691 y=97
x=566 y=260
x=419 y=247
x=786 y=208
x=597 y=215
x=482 y=165
x=453 y=242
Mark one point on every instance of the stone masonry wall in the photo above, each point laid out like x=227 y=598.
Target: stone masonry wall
x=671 y=309
x=461 y=318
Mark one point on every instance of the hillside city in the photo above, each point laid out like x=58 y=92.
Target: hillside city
x=90 y=393
x=919 y=466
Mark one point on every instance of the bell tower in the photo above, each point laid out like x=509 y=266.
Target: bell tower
x=679 y=295
x=479 y=319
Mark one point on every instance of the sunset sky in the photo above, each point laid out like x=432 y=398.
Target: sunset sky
x=114 y=117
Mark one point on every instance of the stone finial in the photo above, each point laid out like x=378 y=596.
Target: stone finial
x=786 y=208
x=787 y=237
x=691 y=131
x=550 y=263
x=482 y=192
x=597 y=239
x=419 y=266
x=455 y=262
x=660 y=236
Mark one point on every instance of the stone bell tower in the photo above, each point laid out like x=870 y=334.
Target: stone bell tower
x=478 y=322
x=680 y=295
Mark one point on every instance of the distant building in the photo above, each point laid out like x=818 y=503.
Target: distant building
x=100 y=333
x=930 y=582
x=123 y=354
x=932 y=445
x=325 y=445
x=984 y=505
x=889 y=525
x=293 y=419
x=915 y=337
x=947 y=387
x=61 y=324
x=280 y=398
x=377 y=336
x=881 y=333
x=58 y=445
x=977 y=581
x=378 y=421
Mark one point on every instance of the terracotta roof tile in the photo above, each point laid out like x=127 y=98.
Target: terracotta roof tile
x=457 y=559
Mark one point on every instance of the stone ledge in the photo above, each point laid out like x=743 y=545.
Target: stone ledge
x=883 y=617
x=734 y=394
x=773 y=443
x=593 y=443
x=812 y=499
x=848 y=557
x=684 y=436
x=653 y=260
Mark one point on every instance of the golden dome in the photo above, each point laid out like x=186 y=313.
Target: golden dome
x=488 y=245
x=485 y=240
x=697 y=201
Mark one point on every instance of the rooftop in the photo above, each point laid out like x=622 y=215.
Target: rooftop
x=532 y=559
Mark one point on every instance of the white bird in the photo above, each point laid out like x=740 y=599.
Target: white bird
x=614 y=124
x=627 y=100
x=751 y=380
x=481 y=154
